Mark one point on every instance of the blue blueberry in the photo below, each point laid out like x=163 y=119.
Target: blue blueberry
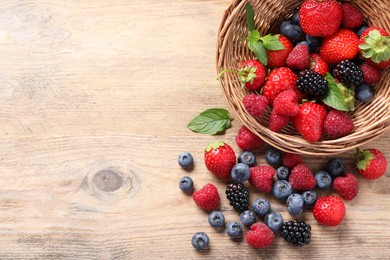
x=274 y=221
x=304 y=43
x=247 y=157
x=274 y=157
x=185 y=160
x=323 y=179
x=294 y=204
x=314 y=42
x=240 y=172
x=200 y=240
x=364 y=93
x=292 y=31
x=361 y=29
x=217 y=219
x=234 y=229
x=296 y=17
x=335 y=167
x=261 y=207
x=186 y=184
x=282 y=173
x=282 y=189
x=309 y=198
x=248 y=218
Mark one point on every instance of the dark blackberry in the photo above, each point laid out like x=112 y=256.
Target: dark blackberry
x=349 y=73
x=238 y=196
x=296 y=232
x=312 y=83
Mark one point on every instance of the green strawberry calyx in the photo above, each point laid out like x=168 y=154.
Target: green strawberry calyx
x=245 y=74
x=214 y=145
x=363 y=158
x=376 y=47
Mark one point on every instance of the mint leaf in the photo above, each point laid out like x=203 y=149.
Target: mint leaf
x=250 y=17
x=259 y=50
x=335 y=97
x=271 y=42
x=210 y=121
x=253 y=36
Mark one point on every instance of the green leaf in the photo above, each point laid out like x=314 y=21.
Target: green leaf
x=210 y=121
x=250 y=17
x=364 y=46
x=271 y=42
x=259 y=50
x=335 y=97
x=253 y=36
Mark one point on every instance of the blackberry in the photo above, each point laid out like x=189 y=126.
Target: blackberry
x=349 y=73
x=296 y=232
x=312 y=83
x=238 y=196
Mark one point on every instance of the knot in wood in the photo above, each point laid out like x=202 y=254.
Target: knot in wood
x=107 y=180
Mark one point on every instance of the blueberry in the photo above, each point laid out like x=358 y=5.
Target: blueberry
x=234 y=229
x=282 y=189
x=185 y=160
x=364 y=93
x=294 y=204
x=274 y=221
x=274 y=157
x=361 y=29
x=248 y=218
x=314 y=42
x=292 y=31
x=323 y=179
x=282 y=173
x=261 y=207
x=240 y=172
x=217 y=219
x=200 y=240
x=247 y=157
x=309 y=198
x=296 y=17
x=304 y=43
x=335 y=167
x=186 y=184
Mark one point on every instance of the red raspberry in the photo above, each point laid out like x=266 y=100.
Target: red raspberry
x=260 y=236
x=290 y=160
x=329 y=210
x=277 y=122
x=337 y=124
x=207 y=198
x=261 y=177
x=299 y=57
x=352 y=17
x=347 y=186
x=255 y=104
x=247 y=140
x=286 y=103
x=301 y=178
x=371 y=75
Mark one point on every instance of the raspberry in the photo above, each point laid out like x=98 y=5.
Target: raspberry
x=346 y=187
x=371 y=75
x=352 y=17
x=299 y=57
x=301 y=178
x=337 y=124
x=277 y=122
x=207 y=198
x=290 y=160
x=261 y=177
x=260 y=236
x=247 y=140
x=255 y=104
x=286 y=103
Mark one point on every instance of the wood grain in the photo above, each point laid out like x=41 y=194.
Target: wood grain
x=95 y=100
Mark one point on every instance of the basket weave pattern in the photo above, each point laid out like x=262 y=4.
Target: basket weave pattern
x=371 y=120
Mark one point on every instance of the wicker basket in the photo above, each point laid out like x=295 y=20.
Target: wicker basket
x=371 y=120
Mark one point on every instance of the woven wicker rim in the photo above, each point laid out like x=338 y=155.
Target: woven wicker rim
x=371 y=120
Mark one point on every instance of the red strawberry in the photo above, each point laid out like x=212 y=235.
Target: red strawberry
x=279 y=80
x=278 y=58
x=255 y=104
x=347 y=186
x=260 y=236
x=337 y=124
x=277 y=122
x=301 y=178
x=371 y=74
x=286 y=103
x=343 y=45
x=247 y=140
x=290 y=160
x=374 y=45
x=352 y=17
x=207 y=198
x=320 y=18
x=329 y=210
x=310 y=122
x=371 y=163
x=299 y=57
x=220 y=159
x=261 y=177
x=318 y=64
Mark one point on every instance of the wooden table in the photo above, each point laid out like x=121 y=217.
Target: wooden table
x=95 y=100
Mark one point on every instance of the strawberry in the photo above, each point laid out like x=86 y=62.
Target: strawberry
x=301 y=178
x=247 y=140
x=310 y=121
x=261 y=177
x=299 y=57
x=318 y=64
x=207 y=198
x=278 y=58
x=343 y=45
x=370 y=163
x=286 y=103
x=260 y=236
x=347 y=186
x=374 y=45
x=320 y=18
x=279 y=80
x=337 y=124
x=371 y=74
x=290 y=160
x=220 y=158
x=255 y=104
x=277 y=122
x=329 y=210
x=352 y=16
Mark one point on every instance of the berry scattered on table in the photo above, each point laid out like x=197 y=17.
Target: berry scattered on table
x=301 y=178
x=248 y=218
x=274 y=221
x=260 y=236
x=261 y=177
x=247 y=157
x=290 y=160
x=296 y=232
x=274 y=157
x=238 y=196
x=370 y=163
x=294 y=204
x=217 y=219
x=323 y=179
x=282 y=189
x=346 y=186
x=200 y=240
x=335 y=167
x=240 y=172
x=309 y=198
x=329 y=210
x=186 y=184
x=207 y=198
x=185 y=160
x=261 y=207
x=234 y=229
x=282 y=172
x=220 y=158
